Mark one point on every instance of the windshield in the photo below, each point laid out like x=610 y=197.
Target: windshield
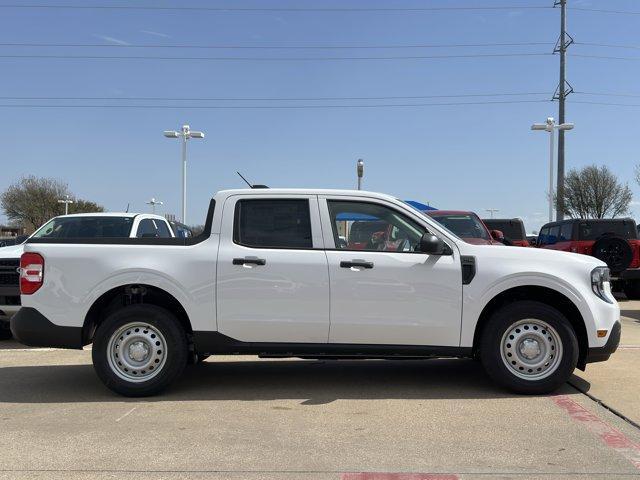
x=464 y=225
x=86 y=227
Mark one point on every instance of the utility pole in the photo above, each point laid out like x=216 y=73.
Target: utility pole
x=67 y=200
x=360 y=172
x=563 y=90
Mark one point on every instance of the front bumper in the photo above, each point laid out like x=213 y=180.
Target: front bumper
x=33 y=329
x=601 y=354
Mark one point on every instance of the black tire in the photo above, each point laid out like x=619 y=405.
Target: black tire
x=632 y=289
x=174 y=356
x=502 y=321
x=5 y=333
x=615 y=252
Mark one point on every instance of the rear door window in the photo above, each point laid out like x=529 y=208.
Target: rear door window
x=273 y=223
x=565 y=232
x=554 y=234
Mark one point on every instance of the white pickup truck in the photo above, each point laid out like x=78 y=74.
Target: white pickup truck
x=276 y=274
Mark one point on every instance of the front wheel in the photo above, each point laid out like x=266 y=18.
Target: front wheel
x=529 y=347
x=139 y=350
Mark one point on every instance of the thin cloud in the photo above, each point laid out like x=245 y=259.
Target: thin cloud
x=114 y=40
x=155 y=34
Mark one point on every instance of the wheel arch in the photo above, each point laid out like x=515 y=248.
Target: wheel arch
x=131 y=294
x=540 y=294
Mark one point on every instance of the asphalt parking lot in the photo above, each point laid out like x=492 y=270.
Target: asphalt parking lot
x=244 y=418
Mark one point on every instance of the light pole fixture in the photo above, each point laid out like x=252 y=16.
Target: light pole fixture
x=551 y=126
x=66 y=200
x=153 y=202
x=360 y=172
x=492 y=211
x=185 y=134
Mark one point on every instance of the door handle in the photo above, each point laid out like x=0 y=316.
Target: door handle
x=356 y=263
x=249 y=260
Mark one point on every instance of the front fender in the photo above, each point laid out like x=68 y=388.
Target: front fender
x=476 y=298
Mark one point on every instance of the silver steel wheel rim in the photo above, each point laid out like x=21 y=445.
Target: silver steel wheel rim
x=531 y=349
x=137 y=352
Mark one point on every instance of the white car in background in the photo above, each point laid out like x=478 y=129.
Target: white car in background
x=86 y=226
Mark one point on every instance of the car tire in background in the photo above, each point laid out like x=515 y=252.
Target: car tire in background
x=631 y=289
x=5 y=333
x=615 y=252
x=139 y=350
x=529 y=347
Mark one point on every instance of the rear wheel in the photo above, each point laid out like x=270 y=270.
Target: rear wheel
x=139 y=350
x=529 y=347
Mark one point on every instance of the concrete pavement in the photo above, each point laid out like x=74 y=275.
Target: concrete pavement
x=244 y=418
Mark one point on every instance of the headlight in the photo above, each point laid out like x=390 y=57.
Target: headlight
x=599 y=277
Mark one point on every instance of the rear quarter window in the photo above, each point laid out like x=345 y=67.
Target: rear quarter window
x=597 y=229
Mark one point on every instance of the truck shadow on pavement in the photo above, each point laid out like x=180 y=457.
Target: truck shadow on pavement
x=633 y=314
x=310 y=381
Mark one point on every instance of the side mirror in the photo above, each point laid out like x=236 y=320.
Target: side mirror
x=432 y=245
x=497 y=235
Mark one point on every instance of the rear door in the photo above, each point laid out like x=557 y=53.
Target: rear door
x=273 y=282
x=384 y=292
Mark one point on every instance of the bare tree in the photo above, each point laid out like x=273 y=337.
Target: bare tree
x=595 y=192
x=31 y=201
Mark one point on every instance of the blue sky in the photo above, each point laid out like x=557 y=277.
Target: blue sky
x=454 y=157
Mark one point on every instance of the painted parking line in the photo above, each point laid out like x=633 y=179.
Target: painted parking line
x=397 y=476
x=610 y=436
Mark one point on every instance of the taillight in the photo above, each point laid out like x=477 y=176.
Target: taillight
x=31 y=272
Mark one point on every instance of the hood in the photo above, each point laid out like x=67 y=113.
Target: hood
x=535 y=256
x=12 y=251
x=479 y=241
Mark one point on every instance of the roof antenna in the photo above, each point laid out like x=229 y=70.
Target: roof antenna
x=251 y=186
x=245 y=180
x=127 y=211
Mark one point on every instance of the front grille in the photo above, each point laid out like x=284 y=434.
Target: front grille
x=8 y=273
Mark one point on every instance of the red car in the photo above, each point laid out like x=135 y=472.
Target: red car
x=614 y=241
x=466 y=225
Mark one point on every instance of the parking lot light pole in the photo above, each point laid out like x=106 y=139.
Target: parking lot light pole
x=550 y=126
x=492 y=211
x=66 y=200
x=153 y=202
x=360 y=172
x=185 y=134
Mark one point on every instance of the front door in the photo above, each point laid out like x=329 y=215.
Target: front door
x=382 y=290
x=273 y=283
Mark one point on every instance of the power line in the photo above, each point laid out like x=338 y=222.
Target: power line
x=272 y=99
x=601 y=10
x=604 y=57
x=273 y=47
x=261 y=107
x=179 y=8
x=270 y=59
x=608 y=104
x=608 y=45
x=602 y=94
